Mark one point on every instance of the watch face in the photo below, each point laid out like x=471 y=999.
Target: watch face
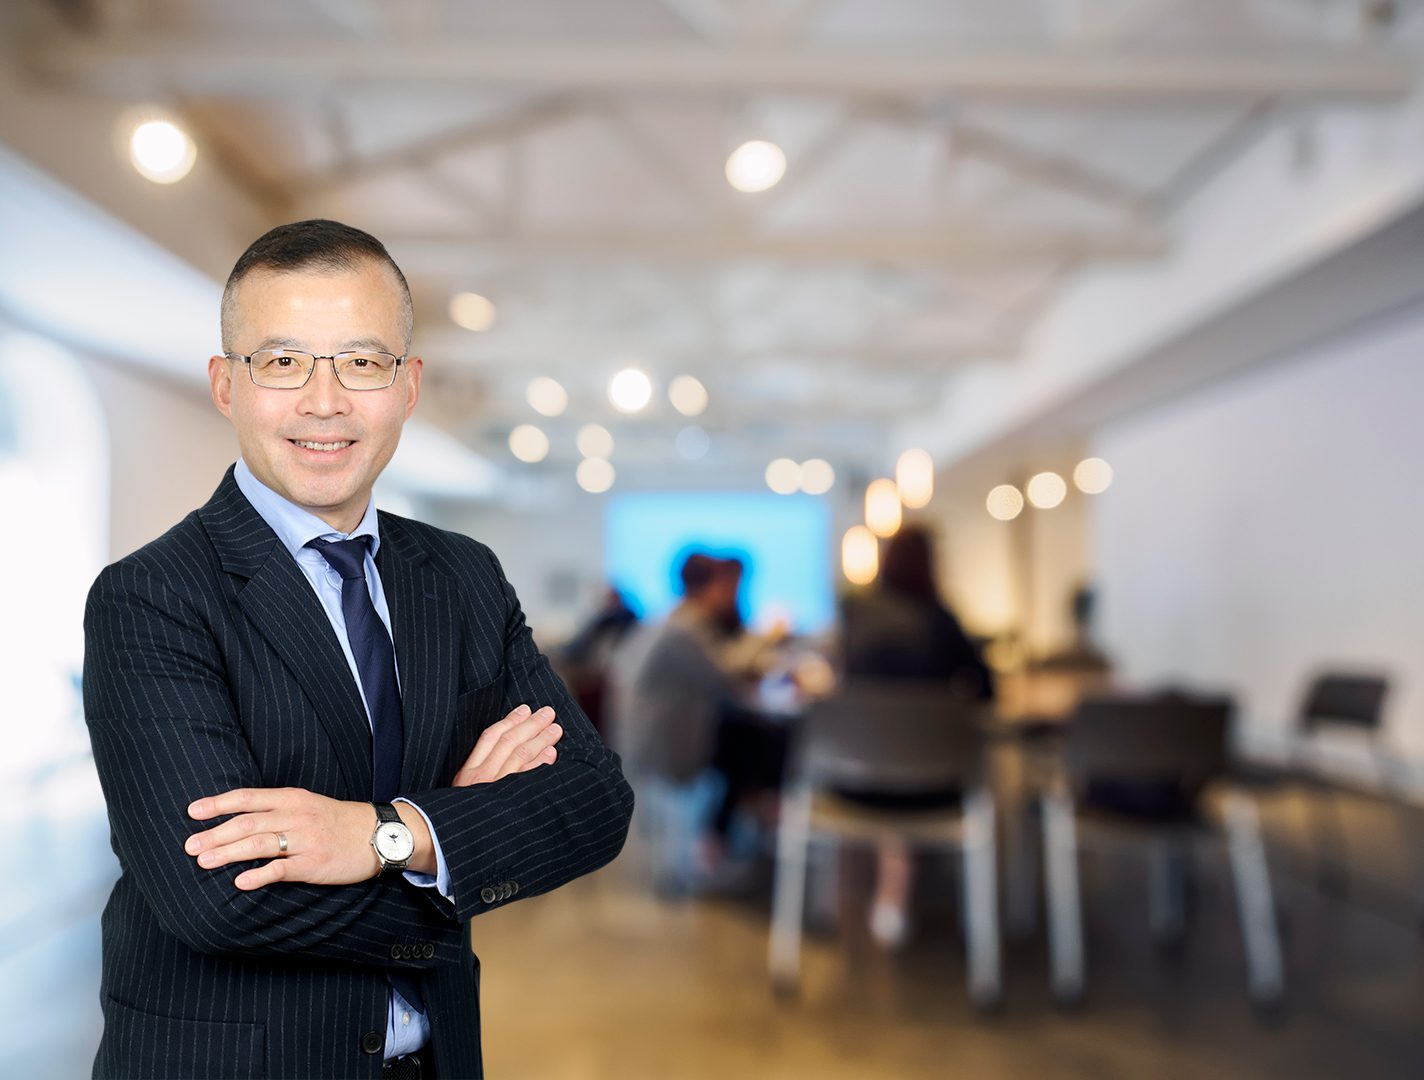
x=394 y=841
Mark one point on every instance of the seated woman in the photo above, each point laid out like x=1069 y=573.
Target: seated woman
x=900 y=628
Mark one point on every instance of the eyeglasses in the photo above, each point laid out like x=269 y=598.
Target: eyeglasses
x=288 y=369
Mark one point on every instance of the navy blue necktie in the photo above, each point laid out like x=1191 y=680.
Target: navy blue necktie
x=376 y=662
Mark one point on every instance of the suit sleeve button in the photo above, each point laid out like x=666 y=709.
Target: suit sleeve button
x=371 y=1042
x=428 y=952
x=513 y=887
x=395 y=952
x=487 y=895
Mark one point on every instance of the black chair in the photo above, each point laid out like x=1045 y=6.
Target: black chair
x=1335 y=704
x=891 y=736
x=1138 y=769
x=1343 y=701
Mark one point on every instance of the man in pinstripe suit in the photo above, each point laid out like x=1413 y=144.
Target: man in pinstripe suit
x=252 y=676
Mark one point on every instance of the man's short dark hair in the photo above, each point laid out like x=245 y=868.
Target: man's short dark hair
x=698 y=571
x=317 y=244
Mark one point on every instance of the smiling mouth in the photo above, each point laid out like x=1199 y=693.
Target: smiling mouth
x=323 y=447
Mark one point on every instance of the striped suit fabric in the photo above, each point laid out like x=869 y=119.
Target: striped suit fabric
x=210 y=665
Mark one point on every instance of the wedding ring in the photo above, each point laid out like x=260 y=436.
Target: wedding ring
x=281 y=843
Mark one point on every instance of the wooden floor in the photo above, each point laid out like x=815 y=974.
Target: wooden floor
x=600 y=980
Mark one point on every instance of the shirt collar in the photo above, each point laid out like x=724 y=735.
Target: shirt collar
x=294 y=526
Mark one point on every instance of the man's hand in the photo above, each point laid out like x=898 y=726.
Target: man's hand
x=328 y=840
x=523 y=740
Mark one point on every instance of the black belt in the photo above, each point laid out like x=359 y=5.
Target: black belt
x=419 y=1065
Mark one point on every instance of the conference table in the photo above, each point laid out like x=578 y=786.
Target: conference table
x=1032 y=710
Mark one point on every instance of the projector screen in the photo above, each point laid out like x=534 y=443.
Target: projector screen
x=784 y=542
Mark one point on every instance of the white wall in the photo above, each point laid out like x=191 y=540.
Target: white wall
x=553 y=556
x=1273 y=524
x=168 y=448
x=1017 y=576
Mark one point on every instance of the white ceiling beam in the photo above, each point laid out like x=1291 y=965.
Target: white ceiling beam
x=939 y=243
x=558 y=352
x=709 y=19
x=504 y=127
x=671 y=169
x=810 y=162
x=132 y=64
x=1058 y=172
x=361 y=17
x=1080 y=20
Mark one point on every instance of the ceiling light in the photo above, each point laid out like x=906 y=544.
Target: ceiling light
x=546 y=396
x=528 y=443
x=472 y=311
x=630 y=390
x=1046 y=490
x=162 y=151
x=755 y=166
x=783 y=476
x=594 y=475
x=914 y=478
x=817 y=476
x=860 y=556
x=594 y=441
x=688 y=396
x=1005 y=502
x=882 y=507
x=1092 y=476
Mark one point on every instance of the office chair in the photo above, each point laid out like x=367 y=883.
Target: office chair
x=1137 y=769
x=892 y=736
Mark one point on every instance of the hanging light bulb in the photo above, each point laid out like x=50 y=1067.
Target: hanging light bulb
x=630 y=390
x=1092 y=476
x=860 y=555
x=755 y=166
x=1005 y=502
x=882 y=507
x=783 y=476
x=914 y=477
x=1045 y=490
x=161 y=151
x=817 y=476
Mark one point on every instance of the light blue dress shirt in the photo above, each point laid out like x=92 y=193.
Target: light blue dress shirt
x=406 y=1029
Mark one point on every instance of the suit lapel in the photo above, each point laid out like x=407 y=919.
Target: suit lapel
x=426 y=628
x=279 y=601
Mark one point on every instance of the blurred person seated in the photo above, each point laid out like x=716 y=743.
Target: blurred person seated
x=740 y=651
x=670 y=686
x=585 y=658
x=750 y=754
x=1083 y=655
x=900 y=628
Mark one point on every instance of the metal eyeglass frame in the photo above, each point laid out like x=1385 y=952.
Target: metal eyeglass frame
x=247 y=360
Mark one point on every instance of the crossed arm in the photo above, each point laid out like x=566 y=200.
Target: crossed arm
x=171 y=752
x=329 y=840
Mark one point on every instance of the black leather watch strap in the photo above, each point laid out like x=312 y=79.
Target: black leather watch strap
x=385 y=815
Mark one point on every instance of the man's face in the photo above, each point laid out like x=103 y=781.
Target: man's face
x=321 y=313
x=723 y=592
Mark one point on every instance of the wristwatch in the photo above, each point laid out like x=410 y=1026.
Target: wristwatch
x=392 y=839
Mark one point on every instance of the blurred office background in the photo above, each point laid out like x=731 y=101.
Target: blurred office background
x=1121 y=301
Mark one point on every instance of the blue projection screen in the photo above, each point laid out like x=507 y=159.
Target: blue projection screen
x=783 y=540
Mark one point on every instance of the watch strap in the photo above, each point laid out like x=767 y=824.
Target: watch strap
x=385 y=815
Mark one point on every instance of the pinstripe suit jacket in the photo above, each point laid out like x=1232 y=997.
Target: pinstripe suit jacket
x=209 y=665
